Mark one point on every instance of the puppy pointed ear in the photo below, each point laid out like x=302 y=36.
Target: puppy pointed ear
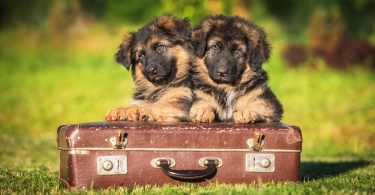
x=258 y=48
x=199 y=41
x=179 y=28
x=182 y=29
x=200 y=34
x=124 y=54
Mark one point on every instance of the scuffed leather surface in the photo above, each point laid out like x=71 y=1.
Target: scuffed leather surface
x=80 y=171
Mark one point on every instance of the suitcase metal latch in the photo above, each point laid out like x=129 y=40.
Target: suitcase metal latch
x=112 y=165
x=260 y=163
x=120 y=140
x=257 y=142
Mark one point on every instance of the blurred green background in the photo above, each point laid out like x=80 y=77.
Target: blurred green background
x=57 y=67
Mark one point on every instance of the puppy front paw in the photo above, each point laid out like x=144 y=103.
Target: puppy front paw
x=129 y=113
x=201 y=115
x=246 y=116
x=145 y=114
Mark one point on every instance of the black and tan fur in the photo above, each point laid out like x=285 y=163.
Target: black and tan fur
x=160 y=57
x=229 y=82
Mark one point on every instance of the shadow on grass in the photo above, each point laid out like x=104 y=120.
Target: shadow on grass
x=319 y=170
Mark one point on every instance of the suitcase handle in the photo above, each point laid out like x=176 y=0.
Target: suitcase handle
x=189 y=174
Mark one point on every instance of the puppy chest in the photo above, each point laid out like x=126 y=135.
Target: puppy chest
x=226 y=111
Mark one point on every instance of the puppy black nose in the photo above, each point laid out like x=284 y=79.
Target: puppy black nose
x=222 y=71
x=152 y=70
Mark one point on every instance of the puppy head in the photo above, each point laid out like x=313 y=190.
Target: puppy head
x=228 y=45
x=152 y=49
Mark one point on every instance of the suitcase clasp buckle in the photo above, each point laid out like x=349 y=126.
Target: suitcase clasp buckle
x=120 y=140
x=257 y=142
x=112 y=165
x=260 y=162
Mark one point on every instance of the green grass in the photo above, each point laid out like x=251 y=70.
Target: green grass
x=46 y=84
x=341 y=180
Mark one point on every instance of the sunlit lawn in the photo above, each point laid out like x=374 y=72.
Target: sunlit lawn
x=75 y=79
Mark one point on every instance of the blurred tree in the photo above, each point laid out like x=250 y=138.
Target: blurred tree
x=131 y=11
x=62 y=16
x=339 y=48
x=32 y=13
x=227 y=7
x=241 y=8
x=236 y=7
x=95 y=7
x=358 y=16
x=195 y=10
x=293 y=14
x=215 y=6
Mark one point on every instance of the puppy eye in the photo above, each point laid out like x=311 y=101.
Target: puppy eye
x=238 y=51
x=160 y=48
x=215 y=47
x=141 y=56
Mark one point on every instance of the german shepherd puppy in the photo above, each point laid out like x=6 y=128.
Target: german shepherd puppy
x=160 y=57
x=228 y=79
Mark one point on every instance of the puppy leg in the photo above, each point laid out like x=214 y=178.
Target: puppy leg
x=202 y=110
x=173 y=106
x=145 y=114
x=254 y=107
x=127 y=113
x=163 y=112
x=247 y=116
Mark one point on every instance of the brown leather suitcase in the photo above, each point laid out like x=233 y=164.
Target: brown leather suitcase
x=112 y=154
